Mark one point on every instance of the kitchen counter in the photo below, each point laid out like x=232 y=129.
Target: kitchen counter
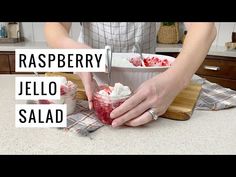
x=215 y=50
x=207 y=132
x=10 y=47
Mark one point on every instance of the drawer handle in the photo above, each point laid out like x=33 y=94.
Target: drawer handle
x=212 y=68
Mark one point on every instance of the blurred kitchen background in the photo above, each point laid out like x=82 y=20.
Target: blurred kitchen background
x=33 y=31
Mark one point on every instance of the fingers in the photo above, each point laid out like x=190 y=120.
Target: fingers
x=90 y=105
x=89 y=85
x=133 y=113
x=141 y=120
x=89 y=93
x=129 y=104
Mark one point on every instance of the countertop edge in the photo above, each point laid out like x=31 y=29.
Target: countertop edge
x=161 y=48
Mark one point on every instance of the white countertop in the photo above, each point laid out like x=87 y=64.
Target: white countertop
x=215 y=50
x=207 y=132
x=23 y=45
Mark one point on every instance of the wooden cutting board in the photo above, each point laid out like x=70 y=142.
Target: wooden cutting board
x=181 y=108
x=183 y=105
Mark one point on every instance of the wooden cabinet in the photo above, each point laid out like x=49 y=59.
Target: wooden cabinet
x=4 y=63
x=221 y=70
x=12 y=62
x=217 y=69
x=220 y=67
x=7 y=63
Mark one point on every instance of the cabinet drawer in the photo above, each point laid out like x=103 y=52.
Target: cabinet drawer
x=217 y=67
x=228 y=83
x=4 y=64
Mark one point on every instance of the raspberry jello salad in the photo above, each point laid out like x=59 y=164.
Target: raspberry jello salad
x=107 y=98
x=68 y=95
x=149 y=61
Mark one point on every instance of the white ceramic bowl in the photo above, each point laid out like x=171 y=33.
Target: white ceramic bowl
x=124 y=72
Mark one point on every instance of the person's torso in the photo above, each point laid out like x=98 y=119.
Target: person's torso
x=121 y=36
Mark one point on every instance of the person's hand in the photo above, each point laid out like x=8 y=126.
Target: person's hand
x=157 y=93
x=89 y=85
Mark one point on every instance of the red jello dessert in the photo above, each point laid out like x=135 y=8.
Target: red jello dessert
x=106 y=99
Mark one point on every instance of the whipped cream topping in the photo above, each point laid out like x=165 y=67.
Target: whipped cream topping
x=67 y=86
x=118 y=90
x=63 y=80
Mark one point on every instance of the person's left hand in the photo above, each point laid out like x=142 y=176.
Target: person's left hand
x=157 y=93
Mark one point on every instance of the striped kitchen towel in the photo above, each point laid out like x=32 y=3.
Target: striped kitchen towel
x=215 y=97
x=83 y=121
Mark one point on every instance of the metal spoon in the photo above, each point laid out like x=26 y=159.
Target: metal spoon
x=109 y=62
x=140 y=53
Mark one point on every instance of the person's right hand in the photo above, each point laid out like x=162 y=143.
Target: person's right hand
x=89 y=85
